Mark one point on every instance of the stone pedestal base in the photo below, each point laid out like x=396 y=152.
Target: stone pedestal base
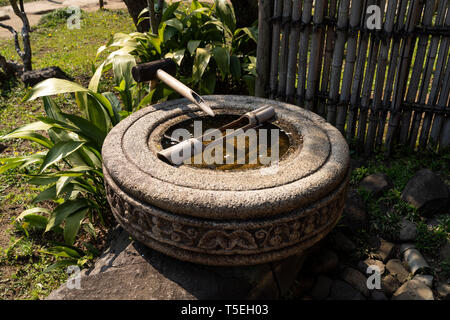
x=129 y=270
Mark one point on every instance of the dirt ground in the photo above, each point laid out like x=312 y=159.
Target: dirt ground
x=35 y=10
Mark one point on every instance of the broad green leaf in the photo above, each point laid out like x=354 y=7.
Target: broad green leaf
x=169 y=32
x=201 y=61
x=95 y=80
x=225 y=12
x=61 y=264
x=47 y=194
x=192 y=45
x=62 y=183
x=36 y=221
x=58 y=152
x=72 y=225
x=147 y=99
x=64 y=210
x=175 y=23
x=51 y=109
x=87 y=129
x=43 y=180
x=34 y=126
x=51 y=87
x=170 y=10
x=98 y=116
x=235 y=67
x=29 y=135
x=122 y=66
x=177 y=56
x=222 y=57
x=32 y=211
x=252 y=33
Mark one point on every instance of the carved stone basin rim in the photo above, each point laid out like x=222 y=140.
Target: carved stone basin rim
x=221 y=217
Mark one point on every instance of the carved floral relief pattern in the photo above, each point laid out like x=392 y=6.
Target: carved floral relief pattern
x=215 y=240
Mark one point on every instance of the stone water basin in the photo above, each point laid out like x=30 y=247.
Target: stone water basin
x=229 y=215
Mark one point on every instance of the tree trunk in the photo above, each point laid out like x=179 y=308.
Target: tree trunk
x=135 y=7
x=246 y=12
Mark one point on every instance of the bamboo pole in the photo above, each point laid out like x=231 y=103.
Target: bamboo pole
x=380 y=76
x=436 y=83
x=414 y=10
x=278 y=7
x=444 y=100
x=442 y=104
x=337 y=60
x=367 y=84
x=416 y=71
x=284 y=54
x=303 y=54
x=264 y=47
x=355 y=16
x=358 y=77
x=393 y=63
x=330 y=42
x=437 y=123
x=293 y=51
x=314 y=57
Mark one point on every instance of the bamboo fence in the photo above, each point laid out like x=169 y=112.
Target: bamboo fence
x=381 y=86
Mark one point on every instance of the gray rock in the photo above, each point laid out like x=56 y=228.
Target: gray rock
x=376 y=183
x=357 y=280
x=415 y=261
x=389 y=284
x=378 y=295
x=321 y=288
x=355 y=212
x=341 y=290
x=395 y=268
x=363 y=265
x=383 y=249
x=426 y=192
x=128 y=270
x=427 y=279
x=408 y=231
x=413 y=290
x=31 y=78
x=303 y=285
x=443 y=291
x=342 y=243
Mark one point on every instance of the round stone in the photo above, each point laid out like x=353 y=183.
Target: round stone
x=219 y=217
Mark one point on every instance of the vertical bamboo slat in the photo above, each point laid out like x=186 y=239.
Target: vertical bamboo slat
x=286 y=26
x=402 y=75
x=330 y=42
x=293 y=51
x=315 y=55
x=278 y=7
x=437 y=77
x=263 y=49
x=355 y=16
x=416 y=71
x=380 y=76
x=358 y=77
x=338 y=58
x=367 y=84
x=303 y=54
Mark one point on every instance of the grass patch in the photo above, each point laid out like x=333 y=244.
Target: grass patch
x=22 y=263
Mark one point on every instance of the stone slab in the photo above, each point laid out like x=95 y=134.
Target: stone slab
x=128 y=270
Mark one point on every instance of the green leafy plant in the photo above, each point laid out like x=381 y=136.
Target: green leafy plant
x=429 y=240
x=70 y=166
x=204 y=41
